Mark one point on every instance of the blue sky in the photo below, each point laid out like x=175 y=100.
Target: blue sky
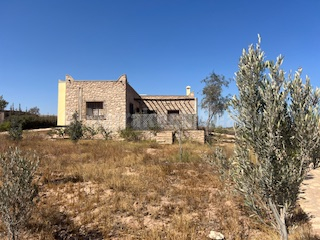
x=162 y=45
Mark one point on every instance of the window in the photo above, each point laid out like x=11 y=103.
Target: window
x=152 y=112
x=172 y=116
x=131 y=108
x=173 y=112
x=148 y=111
x=95 y=110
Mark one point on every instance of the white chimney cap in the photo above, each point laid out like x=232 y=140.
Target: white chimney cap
x=188 y=90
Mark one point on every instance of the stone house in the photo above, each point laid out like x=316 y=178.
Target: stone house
x=116 y=105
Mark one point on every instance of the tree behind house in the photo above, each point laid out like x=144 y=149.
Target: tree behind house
x=213 y=102
x=34 y=110
x=277 y=133
x=3 y=103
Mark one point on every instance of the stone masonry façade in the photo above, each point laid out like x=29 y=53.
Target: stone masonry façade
x=118 y=103
x=111 y=93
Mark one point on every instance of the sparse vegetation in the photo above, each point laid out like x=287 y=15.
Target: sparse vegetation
x=99 y=189
x=89 y=132
x=129 y=134
x=105 y=132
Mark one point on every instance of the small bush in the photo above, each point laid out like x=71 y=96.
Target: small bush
x=15 y=130
x=75 y=130
x=17 y=190
x=130 y=135
x=5 y=126
x=89 y=132
x=105 y=132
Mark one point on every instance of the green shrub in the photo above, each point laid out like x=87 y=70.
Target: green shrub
x=105 y=132
x=17 y=189
x=15 y=130
x=129 y=134
x=31 y=121
x=89 y=132
x=75 y=130
x=5 y=126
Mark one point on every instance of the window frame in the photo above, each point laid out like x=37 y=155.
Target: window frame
x=172 y=115
x=94 y=110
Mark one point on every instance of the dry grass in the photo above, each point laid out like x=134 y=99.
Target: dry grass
x=119 y=190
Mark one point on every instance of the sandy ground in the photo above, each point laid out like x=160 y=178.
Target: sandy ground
x=310 y=198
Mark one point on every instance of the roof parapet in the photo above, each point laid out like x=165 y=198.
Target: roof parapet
x=123 y=78
x=69 y=78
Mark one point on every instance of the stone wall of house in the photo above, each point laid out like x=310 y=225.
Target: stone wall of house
x=133 y=106
x=120 y=103
x=111 y=93
x=158 y=109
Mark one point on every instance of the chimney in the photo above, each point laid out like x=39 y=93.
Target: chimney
x=188 y=90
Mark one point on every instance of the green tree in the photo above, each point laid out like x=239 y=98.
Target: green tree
x=17 y=189
x=213 y=102
x=277 y=133
x=75 y=130
x=3 y=103
x=34 y=110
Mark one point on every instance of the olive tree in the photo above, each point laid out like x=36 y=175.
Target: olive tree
x=277 y=133
x=17 y=189
x=75 y=130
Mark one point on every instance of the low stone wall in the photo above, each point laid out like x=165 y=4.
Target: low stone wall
x=164 y=137
x=161 y=137
x=194 y=136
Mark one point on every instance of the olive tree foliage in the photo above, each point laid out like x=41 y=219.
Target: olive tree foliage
x=3 y=103
x=75 y=130
x=17 y=190
x=213 y=102
x=277 y=136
